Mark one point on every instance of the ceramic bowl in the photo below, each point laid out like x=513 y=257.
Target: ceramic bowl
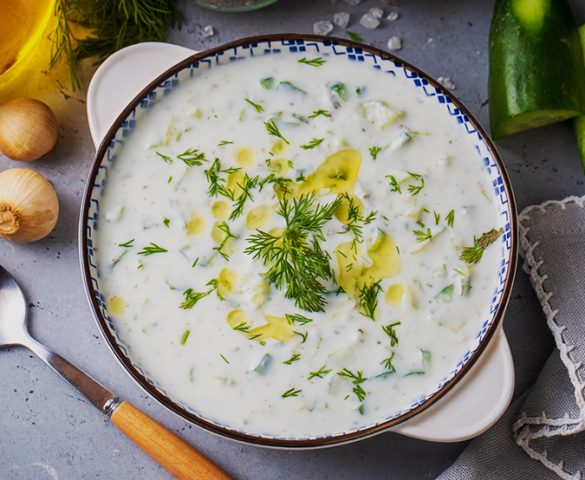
x=426 y=88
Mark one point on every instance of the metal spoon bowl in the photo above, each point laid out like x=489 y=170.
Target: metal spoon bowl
x=165 y=447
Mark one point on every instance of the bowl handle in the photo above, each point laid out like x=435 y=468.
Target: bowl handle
x=122 y=75
x=474 y=404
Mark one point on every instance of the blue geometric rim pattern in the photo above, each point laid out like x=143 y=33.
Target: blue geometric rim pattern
x=325 y=48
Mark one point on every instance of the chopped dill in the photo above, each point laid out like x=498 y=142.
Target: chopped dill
x=192 y=157
x=356 y=37
x=128 y=244
x=450 y=217
x=295 y=257
x=394 y=184
x=324 y=113
x=259 y=108
x=340 y=90
x=295 y=318
x=242 y=327
x=319 y=373
x=166 y=158
x=291 y=392
x=423 y=235
x=167 y=222
x=267 y=83
x=374 y=151
x=152 y=249
x=295 y=357
x=388 y=365
x=223 y=143
x=192 y=297
x=303 y=336
x=473 y=254
x=313 y=62
x=215 y=176
x=368 y=298
x=415 y=189
x=291 y=86
x=225 y=228
x=312 y=144
x=391 y=332
x=224 y=358
x=247 y=185
x=437 y=216
x=273 y=130
x=185 y=337
x=356 y=379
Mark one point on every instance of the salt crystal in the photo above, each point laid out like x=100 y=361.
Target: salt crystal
x=368 y=21
x=376 y=12
x=394 y=43
x=323 y=27
x=392 y=16
x=353 y=2
x=341 y=19
x=446 y=82
x=207 y=31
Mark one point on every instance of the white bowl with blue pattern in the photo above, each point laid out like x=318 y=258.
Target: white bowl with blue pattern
x=489 y=385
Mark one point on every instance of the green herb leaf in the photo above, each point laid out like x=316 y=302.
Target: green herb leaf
x=273 y=129
x=166 y=158
x=296 y=318
x=128 y=244
x=312 y=144
x=450 y=217
x=368 y=298
x=324 y=113
x=340 y=90
x=356 y=37
x=291 y=392
x=247 y=185
x=167 y=222
x=319 y=373
x=374 y=151
x=223 y=143
x=394 y=184
x=423 y=235
x=356 y=379
x=391 y=332
x=192 y=157
x=152 y=249
x=314 y=62
x=295 y=357
x=473 y=254
x=185 y=337
x=267 y=83
x=259 y=108
x=291 y=86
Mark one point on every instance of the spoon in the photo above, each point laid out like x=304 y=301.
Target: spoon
x=171 y=452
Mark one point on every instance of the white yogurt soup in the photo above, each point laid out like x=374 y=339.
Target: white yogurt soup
x=297 y=246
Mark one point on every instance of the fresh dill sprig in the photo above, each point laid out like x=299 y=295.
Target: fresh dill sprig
x=247 y=185
x=185 y=337
x=295 y=318
x=394 y=184
x=291 y=86
x=216 y=179
x=152 y=249
x=388 y=365
x=356 y=37
x=128 y=244
x=415 y=189
x=225 y=228
x=165 y=158
x=391 y=332
x=291 y=392
x=473 y=254
x=312 y=144
x=192 y=297
x=324 y=113
x=356 y=379
x=296 y=260
x=192 y=157
x=423 y=235
x=313 y=62
x=276 y=180
x=303 y=335
x=112 y=25
x=295 y=357
x=259 y=108
x=368 y=298
x=320 y=373
x=450 y=217
x=374 y=151
x=273 y=130
x=356 y=221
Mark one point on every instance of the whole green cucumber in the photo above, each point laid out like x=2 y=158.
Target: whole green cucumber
x=537 y=73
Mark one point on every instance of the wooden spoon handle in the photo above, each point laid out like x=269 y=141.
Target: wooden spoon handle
x=172 y=453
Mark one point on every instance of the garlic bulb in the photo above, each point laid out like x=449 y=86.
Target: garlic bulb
x=28 y=129
x=29 y=206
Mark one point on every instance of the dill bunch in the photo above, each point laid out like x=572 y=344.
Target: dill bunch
x=112 y=25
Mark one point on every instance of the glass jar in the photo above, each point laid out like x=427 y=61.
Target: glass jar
x=234 y=5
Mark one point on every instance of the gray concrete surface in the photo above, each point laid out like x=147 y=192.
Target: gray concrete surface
x=47 y=431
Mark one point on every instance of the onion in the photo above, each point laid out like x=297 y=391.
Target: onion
x=29 y=206
x=28 y=129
